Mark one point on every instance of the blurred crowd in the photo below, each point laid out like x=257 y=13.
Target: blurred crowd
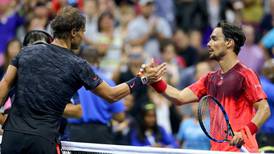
x=121 y=35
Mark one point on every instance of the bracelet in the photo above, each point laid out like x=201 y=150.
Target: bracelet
x=159 y=86
x=252 y=127
x=136 y=83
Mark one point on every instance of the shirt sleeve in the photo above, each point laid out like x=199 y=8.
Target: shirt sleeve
x=199 y=87
x=86 y=75
x=253 y=88
x=15 y=61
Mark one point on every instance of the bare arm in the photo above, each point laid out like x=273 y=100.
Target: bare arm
x=73 y=111
x=7 y=82
x=180 y=97
x=112 y=94
x=263 y=112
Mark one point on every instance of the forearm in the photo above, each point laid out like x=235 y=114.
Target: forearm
x=4 y=89
x=118 y=92
x=263 y=112
x=72 y=111
x=176 y=96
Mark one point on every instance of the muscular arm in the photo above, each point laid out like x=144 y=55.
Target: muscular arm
x=263 y=112
x=112 y=94
x=7 y=82
x=180 y=97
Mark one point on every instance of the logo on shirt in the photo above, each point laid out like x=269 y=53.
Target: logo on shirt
x=257 y=86
x=95 y=78
x=132 y=85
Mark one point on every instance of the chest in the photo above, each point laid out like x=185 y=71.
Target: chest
x=228 y=85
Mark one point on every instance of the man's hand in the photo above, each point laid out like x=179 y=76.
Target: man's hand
x=152 y=71
x=237 y=139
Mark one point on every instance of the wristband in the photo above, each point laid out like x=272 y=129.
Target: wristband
x=136 y=83
x=159 y=86
x=252 y=127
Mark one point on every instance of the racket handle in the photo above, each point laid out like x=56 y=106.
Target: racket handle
x=243 y=149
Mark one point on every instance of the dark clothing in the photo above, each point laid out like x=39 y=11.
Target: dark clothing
x=140 y=96
x=91 y=133
x=20 y=143
x=47 y=78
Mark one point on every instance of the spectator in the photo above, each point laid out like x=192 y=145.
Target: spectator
x=108 y=41
x=148 y=132
x=148 y=29
x=10 y=21
x=251 y=54
x=97 y=112
x=128 y=68
x=184 y=49
x=266 y=134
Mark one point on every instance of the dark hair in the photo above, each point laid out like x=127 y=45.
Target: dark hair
x=100 y=18
x=37 y=35
x=233 y=32
x=142 y=125
x=68 y=18
x=164 y=43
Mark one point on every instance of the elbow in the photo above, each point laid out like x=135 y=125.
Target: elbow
x=268 y=112
x=112 y=98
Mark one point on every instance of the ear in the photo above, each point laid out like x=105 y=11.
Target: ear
x=229 y=43
x=73 y=32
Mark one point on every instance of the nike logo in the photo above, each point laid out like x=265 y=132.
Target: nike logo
x=132 y=85
x=95 y=78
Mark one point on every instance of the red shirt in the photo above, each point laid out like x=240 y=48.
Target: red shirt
x=237 y=90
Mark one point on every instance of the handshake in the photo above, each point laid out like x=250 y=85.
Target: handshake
x=151 y=74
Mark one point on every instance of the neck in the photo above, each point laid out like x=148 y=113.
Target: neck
x=228 y=61
x=62 y=43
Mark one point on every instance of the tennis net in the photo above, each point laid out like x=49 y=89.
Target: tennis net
x=91 y=148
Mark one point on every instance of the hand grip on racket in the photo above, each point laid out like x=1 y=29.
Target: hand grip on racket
x=220 y=127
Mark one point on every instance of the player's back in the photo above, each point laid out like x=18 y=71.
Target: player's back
x=46 y=80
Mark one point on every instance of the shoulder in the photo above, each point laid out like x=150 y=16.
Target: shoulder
x=245 y=71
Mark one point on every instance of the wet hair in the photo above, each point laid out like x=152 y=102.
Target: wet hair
x=67 y=19
x=233 y=32
x=37 y=36
x=101 y=17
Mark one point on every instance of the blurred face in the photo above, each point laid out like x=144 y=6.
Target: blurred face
x=90 y=7
x=216 y=44
x=106 y=23
x=150 y=118
x=202 y=69
x=136 y=57
x=147 y=9
x=14 y=48
x=169 y=53
x=249 y=33
x=77 y=39
x=181 y=39
x=41 y=11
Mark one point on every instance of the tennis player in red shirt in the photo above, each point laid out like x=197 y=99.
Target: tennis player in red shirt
x=234 y=85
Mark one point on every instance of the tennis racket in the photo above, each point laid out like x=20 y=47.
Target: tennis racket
x=220 y=131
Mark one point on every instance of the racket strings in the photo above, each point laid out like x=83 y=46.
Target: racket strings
x=218 y=126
